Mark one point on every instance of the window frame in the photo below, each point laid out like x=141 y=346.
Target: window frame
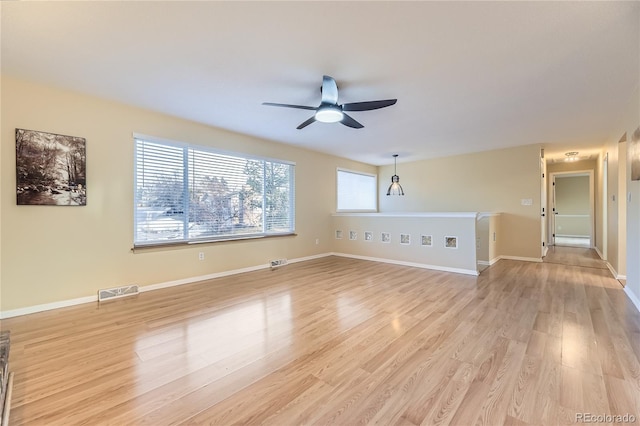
x=361 y=173
x=185 y=240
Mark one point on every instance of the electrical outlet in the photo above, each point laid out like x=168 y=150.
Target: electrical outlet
x=201 y=256
x=317 y=241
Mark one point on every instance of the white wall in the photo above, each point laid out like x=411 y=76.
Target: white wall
x=439 y=226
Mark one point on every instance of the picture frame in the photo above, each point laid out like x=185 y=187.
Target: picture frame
x=368 y=236
x=385 y=237
x=426 y=240
x=338 y=234
x=451 y=242
x=353 y=235
x=405 y=239
x=51 y=169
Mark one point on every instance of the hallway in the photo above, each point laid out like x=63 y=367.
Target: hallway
x=574 y=256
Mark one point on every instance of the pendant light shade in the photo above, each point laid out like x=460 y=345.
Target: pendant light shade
x=395 y=188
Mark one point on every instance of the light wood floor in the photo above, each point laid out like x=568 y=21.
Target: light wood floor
x=339 y=341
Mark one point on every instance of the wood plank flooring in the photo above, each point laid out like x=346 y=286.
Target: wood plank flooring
x=339 y=341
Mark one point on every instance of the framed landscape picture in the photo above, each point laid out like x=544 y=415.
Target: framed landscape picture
x=50 y=169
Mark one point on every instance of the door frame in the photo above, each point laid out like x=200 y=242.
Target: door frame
x=544 y=204
x=605 y=206
x=552 y=193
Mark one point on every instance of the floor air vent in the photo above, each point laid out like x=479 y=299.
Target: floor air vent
x=277 y=263
x=117 y=292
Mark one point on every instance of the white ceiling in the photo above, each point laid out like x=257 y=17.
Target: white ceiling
x=468 y=76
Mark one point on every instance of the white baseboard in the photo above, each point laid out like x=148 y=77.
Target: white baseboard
x=312 y=257
x=490 y=262
x=621 y=277
x=192 y=280
x=88 y=299
x=634 y=298
x=413 y=264
x=47 y=307
x=613 y=271
x=599 y=252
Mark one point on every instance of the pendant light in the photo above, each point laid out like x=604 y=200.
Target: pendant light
x=395 y=187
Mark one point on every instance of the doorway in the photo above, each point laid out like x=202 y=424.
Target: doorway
x=572 y=221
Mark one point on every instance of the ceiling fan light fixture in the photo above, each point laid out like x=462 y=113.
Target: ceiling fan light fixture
x=329 y=114
x=330 y=111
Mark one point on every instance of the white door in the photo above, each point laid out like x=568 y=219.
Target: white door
x=552 y=237
x=543 y=204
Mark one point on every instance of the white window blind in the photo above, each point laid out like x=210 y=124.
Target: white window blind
x=356 y=191
x=185 y=193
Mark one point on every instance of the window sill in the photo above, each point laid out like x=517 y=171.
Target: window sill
x=182 y=244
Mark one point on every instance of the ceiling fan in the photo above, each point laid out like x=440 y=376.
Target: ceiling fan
x=329 y=111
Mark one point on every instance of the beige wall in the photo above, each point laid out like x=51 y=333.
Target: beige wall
x=573 y=166
x=493 y=181
x=572 y=204
x=52 y=253
x=611 y=150
x=572 y=195
x=623 y=231
x=622 y=208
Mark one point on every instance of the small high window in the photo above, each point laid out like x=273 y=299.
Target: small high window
x=357 y=191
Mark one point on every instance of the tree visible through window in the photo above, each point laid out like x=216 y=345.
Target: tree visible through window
x=188 y=193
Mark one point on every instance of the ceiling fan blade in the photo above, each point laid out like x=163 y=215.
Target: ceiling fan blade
x=329 y=90
x=290 y=106
x=368 y=106
x=306 y=123
x=350 y=122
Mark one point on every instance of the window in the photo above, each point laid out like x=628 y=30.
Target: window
x=186 y=193
x=357 y=191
